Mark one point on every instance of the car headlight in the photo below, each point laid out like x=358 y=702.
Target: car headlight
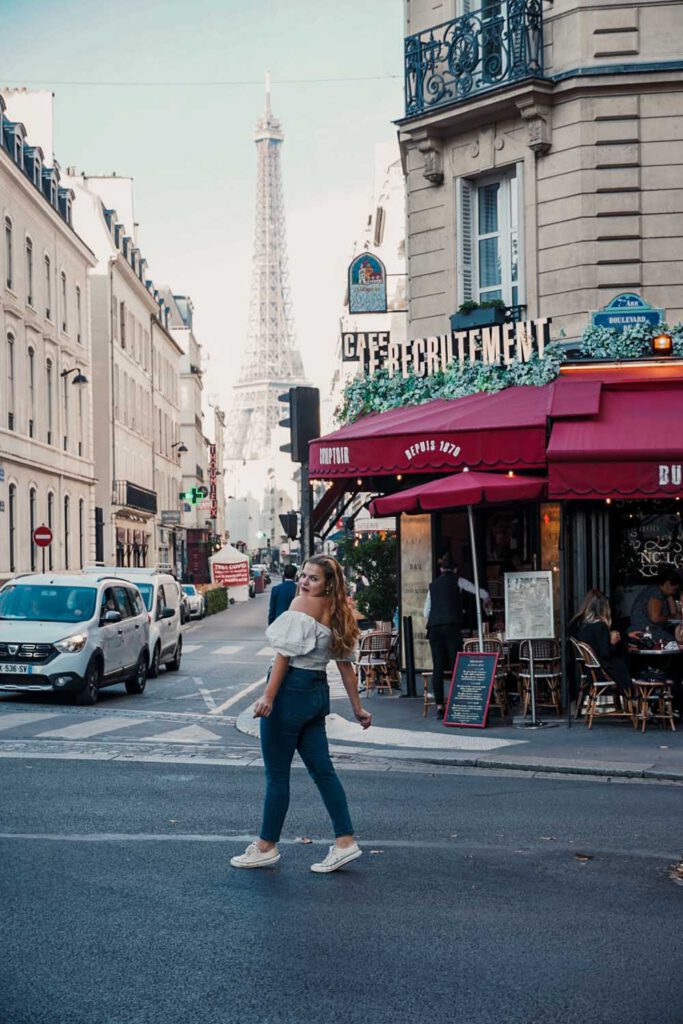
x=72 y=644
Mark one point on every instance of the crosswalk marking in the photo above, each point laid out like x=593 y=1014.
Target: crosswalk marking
x=228 y=650
x=188 y=734
x=189 y=648
x=13 y=719
x=265 y=652
x=84 y=730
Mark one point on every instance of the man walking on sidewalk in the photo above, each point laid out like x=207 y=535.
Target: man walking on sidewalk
x=283 y=594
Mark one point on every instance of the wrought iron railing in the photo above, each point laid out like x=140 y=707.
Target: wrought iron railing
x=132 y=496
x=482 y=50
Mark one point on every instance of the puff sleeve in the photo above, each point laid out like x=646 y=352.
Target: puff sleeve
x=292 y=634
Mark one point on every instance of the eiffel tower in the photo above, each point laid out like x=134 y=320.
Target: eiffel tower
x=272 y=362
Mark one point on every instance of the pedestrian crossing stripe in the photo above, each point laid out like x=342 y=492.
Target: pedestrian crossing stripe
x=13 y=719
x=265 y=652
x=188 y=734
x=85 y=730
x=189 y=648
x=228 y=650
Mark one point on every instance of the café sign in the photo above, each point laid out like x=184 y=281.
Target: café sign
x=494 y=345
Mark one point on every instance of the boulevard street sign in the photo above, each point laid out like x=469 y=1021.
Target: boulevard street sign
x=42 y=536
x=627 y=310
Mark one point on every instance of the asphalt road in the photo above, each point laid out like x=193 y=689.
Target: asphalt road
x=469 y=906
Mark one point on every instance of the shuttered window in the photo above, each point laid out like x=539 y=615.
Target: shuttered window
x=489 y=238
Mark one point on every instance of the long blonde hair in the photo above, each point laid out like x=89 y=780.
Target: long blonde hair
x=343 y=624
x=598 y=610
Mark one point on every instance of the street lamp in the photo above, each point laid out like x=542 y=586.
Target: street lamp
x=662 y=344
x=80 y=380
x=181 y=448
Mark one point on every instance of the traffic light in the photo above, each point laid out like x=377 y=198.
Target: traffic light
x=303 y=419
x=290 y=526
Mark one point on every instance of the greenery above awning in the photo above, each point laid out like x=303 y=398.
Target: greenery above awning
x=377 y=393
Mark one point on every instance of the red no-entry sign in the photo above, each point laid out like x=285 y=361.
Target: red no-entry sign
x=42 y=536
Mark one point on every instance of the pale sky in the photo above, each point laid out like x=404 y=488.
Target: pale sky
x=127 y=100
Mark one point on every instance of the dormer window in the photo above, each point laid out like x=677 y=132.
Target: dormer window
x=18 y=147
x=118 y=228
x=37 y=171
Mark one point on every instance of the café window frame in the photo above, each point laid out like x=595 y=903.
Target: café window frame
x=9 y=253
x=28 y=250
x=490 y=243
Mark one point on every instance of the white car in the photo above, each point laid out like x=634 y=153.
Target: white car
x=72 y=633
x=195 y=601
x=160 y=593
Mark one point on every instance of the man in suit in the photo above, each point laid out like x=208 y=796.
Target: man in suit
x=444 y=614
x=283 y=594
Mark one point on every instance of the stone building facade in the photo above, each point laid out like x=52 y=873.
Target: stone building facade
x=544 y=157
x=46 y=454
x=136 y=365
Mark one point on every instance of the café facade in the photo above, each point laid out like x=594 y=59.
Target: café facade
x=604 y=437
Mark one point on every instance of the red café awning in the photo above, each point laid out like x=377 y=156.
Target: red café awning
x=461 y=489
x=506 y=430
x=631 y=448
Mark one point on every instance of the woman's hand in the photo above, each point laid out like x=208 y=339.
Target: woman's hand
x=263 y=707
x=364 y=717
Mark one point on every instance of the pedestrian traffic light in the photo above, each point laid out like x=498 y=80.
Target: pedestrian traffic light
x=290 y=526
x=302 y=416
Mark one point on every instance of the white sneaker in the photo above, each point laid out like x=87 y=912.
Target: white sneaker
x=255 y=858
x=337 y=858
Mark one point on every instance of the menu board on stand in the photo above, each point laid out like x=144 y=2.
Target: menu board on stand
x=529 y=615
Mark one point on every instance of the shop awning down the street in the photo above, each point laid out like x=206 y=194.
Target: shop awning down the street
x=461 y=489
x=631 y=448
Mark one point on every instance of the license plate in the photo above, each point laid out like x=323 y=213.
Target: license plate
x=15 y=670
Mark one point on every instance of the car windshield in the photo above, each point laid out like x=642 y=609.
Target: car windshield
x=47 y=603
x=147 y=591
x=190 y=590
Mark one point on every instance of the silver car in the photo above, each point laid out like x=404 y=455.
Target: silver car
x=72 y=633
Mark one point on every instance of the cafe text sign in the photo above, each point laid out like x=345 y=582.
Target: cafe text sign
x=495 y=345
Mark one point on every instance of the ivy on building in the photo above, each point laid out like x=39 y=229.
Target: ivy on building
x=380 y=392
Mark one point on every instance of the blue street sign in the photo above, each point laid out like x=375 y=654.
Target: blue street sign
x=627 y=310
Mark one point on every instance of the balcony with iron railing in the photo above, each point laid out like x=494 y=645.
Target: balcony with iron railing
x=131 y=496
x=499 y=45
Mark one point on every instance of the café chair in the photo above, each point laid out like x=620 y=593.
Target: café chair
x=654 y=702
x=547 y=673
x=601 y=686
x=372 y=663
x=584 y=679
x=499 y=697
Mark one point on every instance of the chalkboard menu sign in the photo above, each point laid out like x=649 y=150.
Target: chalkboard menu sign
x=470 y=692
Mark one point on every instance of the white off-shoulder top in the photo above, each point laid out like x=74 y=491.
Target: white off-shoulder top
x=302 y=639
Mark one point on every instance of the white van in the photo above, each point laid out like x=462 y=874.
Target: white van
x=160 y=593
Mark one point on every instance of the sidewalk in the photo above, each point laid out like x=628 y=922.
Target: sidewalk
x=611 y=748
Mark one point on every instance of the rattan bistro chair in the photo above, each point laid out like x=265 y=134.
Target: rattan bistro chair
x=373 y=662
x=584 y=678
x=547 y=673
x=493 y=646
x=601 y=686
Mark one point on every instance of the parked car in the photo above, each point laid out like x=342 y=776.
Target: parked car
x=184 y=604
x=72 y=633
x=260 y=567
x=195 y=601
x=160 y=593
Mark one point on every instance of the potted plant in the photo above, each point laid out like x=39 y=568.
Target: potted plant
x=375 y=560
x=479 y=314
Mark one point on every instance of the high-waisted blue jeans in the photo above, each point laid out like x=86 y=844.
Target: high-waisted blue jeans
x=297 y=722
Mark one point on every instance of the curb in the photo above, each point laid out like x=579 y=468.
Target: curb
x=245 y=724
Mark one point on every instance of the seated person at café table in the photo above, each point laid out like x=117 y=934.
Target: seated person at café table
x=595 y=630
x=654 y=607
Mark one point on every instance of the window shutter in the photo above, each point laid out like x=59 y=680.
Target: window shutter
x=464 y=7
x=465 y=230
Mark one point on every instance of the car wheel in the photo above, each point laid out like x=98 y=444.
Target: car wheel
x=139 y=681
x=153 y=670
x=174 y=665
x=90 y=692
